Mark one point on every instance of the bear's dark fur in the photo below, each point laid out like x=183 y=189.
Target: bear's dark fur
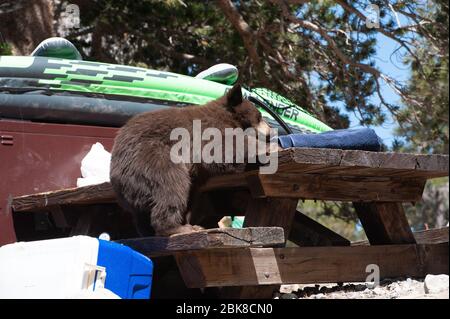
x=146 y=181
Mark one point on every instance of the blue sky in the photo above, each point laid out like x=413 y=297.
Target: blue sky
x=392 y=66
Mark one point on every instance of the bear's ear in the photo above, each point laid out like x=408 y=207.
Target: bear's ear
x=234 y=96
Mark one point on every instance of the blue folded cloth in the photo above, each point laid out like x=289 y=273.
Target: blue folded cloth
x=348 y=139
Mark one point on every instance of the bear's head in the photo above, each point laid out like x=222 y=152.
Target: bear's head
x=244 y=111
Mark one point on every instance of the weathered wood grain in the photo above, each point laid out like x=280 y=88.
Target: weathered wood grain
x=208 y=239
x=341 y=188
x=269 y=266
x=430 y=236
x=93 y=194
x=297 y=164
x=363 y=163
x=384 y=223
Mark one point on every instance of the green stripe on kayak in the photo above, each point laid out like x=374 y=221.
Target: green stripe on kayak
x=86 y=77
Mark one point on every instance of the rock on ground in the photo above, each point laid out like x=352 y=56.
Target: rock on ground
x=432 y=287
x=435 y=284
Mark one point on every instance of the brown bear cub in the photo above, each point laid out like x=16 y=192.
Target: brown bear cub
x=150 y=185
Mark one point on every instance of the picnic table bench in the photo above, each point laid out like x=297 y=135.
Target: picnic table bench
x=250 y=262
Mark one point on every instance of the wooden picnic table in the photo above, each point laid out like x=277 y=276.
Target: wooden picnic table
x=377 y=183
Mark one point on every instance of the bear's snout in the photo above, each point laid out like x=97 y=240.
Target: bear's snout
x=264 y=129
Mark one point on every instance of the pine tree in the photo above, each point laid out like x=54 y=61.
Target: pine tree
x=423 y=122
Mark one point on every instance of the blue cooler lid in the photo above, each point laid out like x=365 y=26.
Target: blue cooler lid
x=128 y=273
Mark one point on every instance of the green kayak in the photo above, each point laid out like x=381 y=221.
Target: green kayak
x=75 y=90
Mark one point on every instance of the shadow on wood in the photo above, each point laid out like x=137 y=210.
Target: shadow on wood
x=306 y=231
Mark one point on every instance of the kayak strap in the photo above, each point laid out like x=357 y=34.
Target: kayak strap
x=269 y=110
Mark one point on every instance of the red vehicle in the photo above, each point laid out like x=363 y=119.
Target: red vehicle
x=38 y=157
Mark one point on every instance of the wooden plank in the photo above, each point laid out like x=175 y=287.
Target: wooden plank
x=384 y=223
x=208 y=239
x=358 y=171
x=277 y=185
x=310 y=156
x=260 y=212
x=430 y=236
x=294 y=175
x=93 y=194
x=303 y=161
x=270 y=266
x=369 y=163
x=434 y=164
x=387 y=166
x=342 y=188
x=307 y=232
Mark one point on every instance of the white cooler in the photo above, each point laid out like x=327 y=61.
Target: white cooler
x=75 y=267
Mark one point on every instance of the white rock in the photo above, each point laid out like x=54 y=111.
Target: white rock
x=367 y=291
x=319 y=296
x=434 y=284
x=286 y=289
x=377 y=291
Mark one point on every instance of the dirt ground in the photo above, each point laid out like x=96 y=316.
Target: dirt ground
x=398 y=288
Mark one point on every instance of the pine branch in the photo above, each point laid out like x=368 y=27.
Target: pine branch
x=247 y=34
